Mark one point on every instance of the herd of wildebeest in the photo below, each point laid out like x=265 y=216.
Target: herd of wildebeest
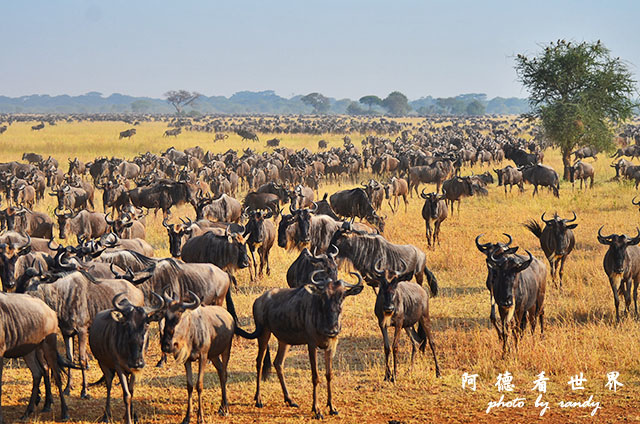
x=103 y=286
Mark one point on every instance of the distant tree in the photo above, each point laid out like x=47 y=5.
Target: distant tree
x=355 y=109
x=181 y=98
x=141 y=106
x=475 y=107
x=371 y=101
x=317 y=101
x=451 y=105
x=396 y=104
x=579 y=93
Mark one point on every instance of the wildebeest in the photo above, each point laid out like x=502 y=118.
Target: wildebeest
x=520 y=157
x=355 y=203
x=364 y=250
x=556 y=240
x=322 y=144
x=518 y=286
x=173 y=132
x=401 y=304
x=84 y=224
x=127 y=133
x=246 y=134
x=220 y=137
x=303 y=197
x=164 y=194
x=274 y=142
x=222 y=209
x=195 y=332
x=73 y=198
x=255 y=201
x=375 y=192
x=395 y=188
x=455 y=189
x=632 y=151
x=541 y=175
x=622 y=266
x=434 y=210
x=324 y=208
x=37 y=127
x=259 y=233
x=581 y=171
x=586 y=152
x=117 y=338
x=509 y=176
x=9 y=255
x=308 y=315
x=299 y=273
x=3 y=128
x=28 y=328
x=32 y=157
x=436 y=173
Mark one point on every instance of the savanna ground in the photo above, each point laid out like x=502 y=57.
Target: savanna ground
x=581 y=334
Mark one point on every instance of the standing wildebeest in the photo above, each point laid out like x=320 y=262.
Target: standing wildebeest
x=586 y=152
x=509 y=176
x=355 y=203
x=255 y=201
x=299 y=273
x=247 y=134
x=631 y=151
x=73 y=198
x=308 y=315
x=541 y=175
x=556 y=240
x=37 y=127
x=432 y=174
x=324 y=208
x=35 y=224
x=32 y=157
x=457 y=188
x=303 y=197
x=28 y=328
x=220 y=137
x=363 y=250
x=222 y=209
x=622 y=266
x=9 y=255
x=395 y=188
x=274 y=142
x=84 y=224
x=434 y=209
x=3 y=128
x=402 y=304
x=174 y=132
x=127 y=134
x=581 y=171
x=117 y=338
x=322 y=144
x=162 y=195
x=195 y=332
x=260 y=233
x=520 y=157
x=518 y=286
x=375 y=192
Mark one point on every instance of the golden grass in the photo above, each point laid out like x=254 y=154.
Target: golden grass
x=581 y=335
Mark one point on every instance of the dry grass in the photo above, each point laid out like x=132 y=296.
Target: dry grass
x=581 y=335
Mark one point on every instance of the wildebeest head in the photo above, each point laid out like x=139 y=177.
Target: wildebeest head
x=506 y=268
x=255 y=226
x=238 y=241
x=331 y=294
x=176 y=233
x=618 y=244
x=432 y=199
x=302 y=217
x=9 y=254
x=496 y=249
x=201 y=203
x=178 y=345
x=63 y=219
x=134 y=325
x=559 y=229
x=388 y=283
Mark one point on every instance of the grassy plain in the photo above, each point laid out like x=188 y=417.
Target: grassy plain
x=581 y=334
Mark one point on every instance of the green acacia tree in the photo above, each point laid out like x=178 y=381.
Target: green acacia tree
x=579 y=93
x=318 y=102
x=396 y=104
x=371 y=101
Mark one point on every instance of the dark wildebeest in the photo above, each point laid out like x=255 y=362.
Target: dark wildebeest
x=259 y=233
x=519 y=286
x=220 y=137
x=174 y=132
x=299 y=273
x=322 y=144
x=395 y=188
x=126 y=227
x=222 y=209
x=35 y=224
x=520 y=157
x=581 y=171
x=632 y=151
x=586 y=152
x=622 y=266
x=401 y=304
x=363 y=249
x=73 y=198
x=9 y=255
x=324 y=208
x=32 y=157
x=455 y=189
x=434 y=209
x=37 y=127
x=509 y=176
x=436 y=173
x=76 y=167
x=556 y=240
x=255 y=201
x=303 y=196
x=274 y=142
x=162 y=195
x=542 y=175
x=246 y=134
x=3 y=128
x=195 y=332
x=117 y=338
x=28 y=328
x=355 y=203
x=114 y=196
x=179 y=233
x=84 y=224
x=308 y=315
x=127 y=134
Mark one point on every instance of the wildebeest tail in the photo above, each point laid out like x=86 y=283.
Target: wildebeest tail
x=433 y=282
x=246 y=335
x=65 y=363
x=533 y=226
x=97 y=383
x=266 y=366
x=230 y=306
x=422 y=337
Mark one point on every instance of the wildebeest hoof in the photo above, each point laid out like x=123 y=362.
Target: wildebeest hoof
x=85 y=395
x=259 y=404
x=318 y=416
x=161 y=363
x=67 y=391
x=223 y=411
x=46 y=408
x=291 y=403
x=333 y=412
x=105 y=419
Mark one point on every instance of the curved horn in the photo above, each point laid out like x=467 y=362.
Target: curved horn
x=109 y=221
x=191 y=305
x=115 y=273
x=499 y=260
x=292 y=208
x=633 y=201
x=121 y=303
x=423 y=195
x=604 y=238
x=333 y=255
x=150 y=311
x=312 y=277
x=510 y=239
x=571 y=220
x=546 y=221
x=165 y=225
x=315 y=207
x=482 y=247
x=376 y=266
x=358 y=276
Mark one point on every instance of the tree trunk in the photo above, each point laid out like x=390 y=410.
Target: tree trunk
x=566 y=161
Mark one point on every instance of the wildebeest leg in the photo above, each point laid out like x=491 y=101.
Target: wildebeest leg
x=221 y=367
x=328 y=359
x=108 y=381
x=436 y=232
x=82 y=353
x=68 y=341
x=50 y=353
x=1 y=367
x=313 y=353
x=163 y=356
x=561 y=269
x=616 y=299
x=132 y=386
x=36 y=376
x=126 y=396
x=410 y=334
x=263 y=345
x=426 y=325
x=189 y=373
x=202 y=363
x=262 y=254
x=387 y=351
x=278 y=364
x=406 y=202
x=635 y=295
x=48 y=396
x=253 y=268
x=428 y=232
x=396 y=345
x=535 y=190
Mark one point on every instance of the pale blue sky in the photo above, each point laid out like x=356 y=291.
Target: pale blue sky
x=339 y=48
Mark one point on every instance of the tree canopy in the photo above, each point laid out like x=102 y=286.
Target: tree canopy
x=317 y=101
x=396 y=104
x=371 y=101
x=181 y=98
x=579 y=93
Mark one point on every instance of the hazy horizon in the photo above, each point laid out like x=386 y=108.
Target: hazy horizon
x=340 y=49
